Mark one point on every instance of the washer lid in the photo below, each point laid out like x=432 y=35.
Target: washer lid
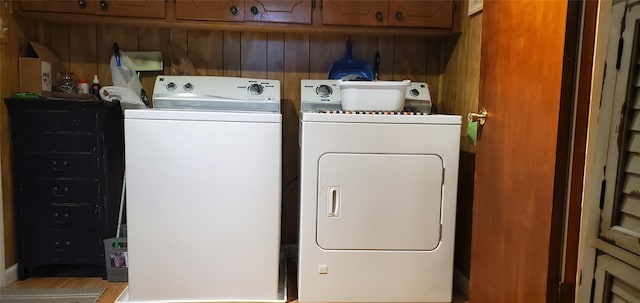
x=201 y=115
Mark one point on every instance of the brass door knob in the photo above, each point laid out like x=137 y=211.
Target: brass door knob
x=479 y=117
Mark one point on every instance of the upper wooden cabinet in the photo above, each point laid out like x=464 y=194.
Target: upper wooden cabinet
x=421 y=17
x=288 y=11
x=231 y=10
x=68 y=6
x=131 y=8
x=284 y=11
x=396 y=13
x=120 y=8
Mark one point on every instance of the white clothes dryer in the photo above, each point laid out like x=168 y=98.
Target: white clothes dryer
x=204 y=191
x=378 y=202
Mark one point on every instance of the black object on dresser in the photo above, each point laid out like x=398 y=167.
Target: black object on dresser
x=68 y=167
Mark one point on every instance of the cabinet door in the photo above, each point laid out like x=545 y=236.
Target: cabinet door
x=285 y=11
x=231 y=10
x=131 y=8
x=60 y=6
x=364 y=13
x=432 y=14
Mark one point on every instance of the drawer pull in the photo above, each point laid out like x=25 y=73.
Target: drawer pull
x=59 y=246
x=60 y=192
x=59 y=166
x=60 y=219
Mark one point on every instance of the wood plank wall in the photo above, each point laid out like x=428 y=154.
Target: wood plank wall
x=459 y=95
x=85 y=50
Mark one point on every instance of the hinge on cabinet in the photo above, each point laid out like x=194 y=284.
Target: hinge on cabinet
x=602 y=189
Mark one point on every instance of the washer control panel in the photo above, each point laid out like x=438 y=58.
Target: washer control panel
x=229 y=88
x=217 y=93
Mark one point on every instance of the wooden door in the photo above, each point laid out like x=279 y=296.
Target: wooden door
x=230 y=10
x=285 y=11
x=356 y=12
x=131 y=8
x=431 y=14
x=513 y=249
x=59 y=6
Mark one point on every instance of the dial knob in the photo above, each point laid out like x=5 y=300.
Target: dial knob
x=255 y=89
x=414 y=92
x=324 y=90
x=171 y=86
x=188 y=87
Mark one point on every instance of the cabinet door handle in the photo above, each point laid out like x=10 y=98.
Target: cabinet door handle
x=399 y=16
x=58 y=192
x=254 y=10
x=82 y=3
x=104 y=5
x=60 y=219
x=379 y=16
x=60 y=246
x=234 y=10
x=59 y=166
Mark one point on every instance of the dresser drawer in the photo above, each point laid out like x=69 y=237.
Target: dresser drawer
x=83 y=217
x=60 y=247
x=58 y=143
x=58 y=121
x=61 y=165
x=41 y=192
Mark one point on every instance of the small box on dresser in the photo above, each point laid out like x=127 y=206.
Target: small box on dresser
x=67 y=166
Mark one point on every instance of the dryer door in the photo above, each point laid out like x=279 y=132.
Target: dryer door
x=379 y=201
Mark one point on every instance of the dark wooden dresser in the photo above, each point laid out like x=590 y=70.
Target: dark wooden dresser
x=68 y=167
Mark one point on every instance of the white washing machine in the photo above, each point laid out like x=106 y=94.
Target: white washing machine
x=204 y=192
x=378 y=201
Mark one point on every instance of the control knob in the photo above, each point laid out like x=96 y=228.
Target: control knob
x=171 y=86
x=255 y=89
x=414 y=92
x=188 y=87
x=324 y=90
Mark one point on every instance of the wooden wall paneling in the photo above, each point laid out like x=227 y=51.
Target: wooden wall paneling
x=152 y=39
x=387 y=55
x=296 y=68
x=364 y=48
x=253 y=55
x=275 y=57
x=40 y=32
x=59 y=45
x=324 y=50
x=82 y=51
x=179 y=41
x=459 y=79
x=127 y=39
x=410 y=58
x=232 y=60
x=206 y=51
x=434 y=69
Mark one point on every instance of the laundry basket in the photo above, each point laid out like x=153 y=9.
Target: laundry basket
x=116 y=259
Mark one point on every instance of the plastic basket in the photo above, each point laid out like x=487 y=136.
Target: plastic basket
x=116 y=259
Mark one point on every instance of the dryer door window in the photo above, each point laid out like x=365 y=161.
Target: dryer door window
x=379 y=201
